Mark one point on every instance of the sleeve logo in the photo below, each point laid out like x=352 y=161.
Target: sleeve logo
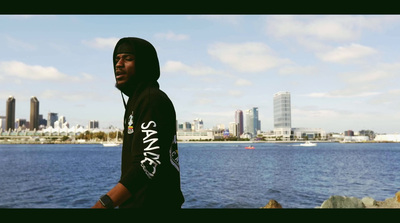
x=130 y=124
x=151 y=152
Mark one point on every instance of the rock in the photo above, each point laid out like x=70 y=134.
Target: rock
x=369 y=201
x=273 y=204
x=342 y=202
x=398 y=196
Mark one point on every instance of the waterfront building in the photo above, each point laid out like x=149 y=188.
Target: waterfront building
x=252 y=123
x=21 y=123
x=387 y=138
x=206 y=135
x=308 y=133
x=234 y=129
x=187 y=126
x=239 y=121
x=51 y=118
x=34 y=116
x=61 y=123
x=349 y=133
x=93 y=124
x=10 y=113
x=197 y=124
x=2 y=123
x=355 y=138
x=42 y=122
x=282 y=115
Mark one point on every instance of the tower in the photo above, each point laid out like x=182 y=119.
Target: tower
x=239 y=121
x=10 y=113
x=34 y=117
x=252 y=123
x=51 y=118
x=282 y=115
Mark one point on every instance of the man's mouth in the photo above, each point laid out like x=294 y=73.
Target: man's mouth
x=119 y=75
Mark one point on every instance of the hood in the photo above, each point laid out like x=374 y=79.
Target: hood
x=147 y=66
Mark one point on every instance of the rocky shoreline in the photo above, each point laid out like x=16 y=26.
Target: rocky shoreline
x=339 y=202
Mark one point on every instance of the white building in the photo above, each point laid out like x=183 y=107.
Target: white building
x=199 y=135
x=2 y=123
x=355 y=138
x=197 y=124
x=234 y=129
x=282 y=115
x=387 y=138
x=308 y=133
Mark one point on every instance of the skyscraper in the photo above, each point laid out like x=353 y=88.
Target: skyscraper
x=34 y=118
x=10 y=113
x=252 y=124
x=51 y=118
x=239 y=121
x=93 y=124
x=282 y=115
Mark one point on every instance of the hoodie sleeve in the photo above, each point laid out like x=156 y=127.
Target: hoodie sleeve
x=147 y=145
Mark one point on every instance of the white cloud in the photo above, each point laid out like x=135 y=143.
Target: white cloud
x=18 y=44
x=179 y=67
x=243 y=82
x=171 y=36
x=384 y=73
x=342 y=94
x=235 y=93
x=331 y=27
x=322 y=28
x=301 y=70
x=347 y=53
x=101 y=43
x=388 y=98
x=246 y=57
x=68 y=96
x=18 y=70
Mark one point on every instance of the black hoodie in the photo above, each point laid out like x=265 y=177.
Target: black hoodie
x=150 y=163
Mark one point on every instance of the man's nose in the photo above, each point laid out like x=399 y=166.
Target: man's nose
x=119 y=63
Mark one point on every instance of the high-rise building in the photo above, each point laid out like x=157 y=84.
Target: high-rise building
x=61 y=122
x=198 y=124
x=282 y=115
x=233 y=129
x=2 y=123
x=187 y=126
x=239 y=121
x=21 y=123
x=34 y=117
x=252 y=123
x=51 y=118
x=93 y=124
x=10 y=113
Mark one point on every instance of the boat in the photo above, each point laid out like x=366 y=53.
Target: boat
x=249 y=147
x=308 y=143
x=111 y=143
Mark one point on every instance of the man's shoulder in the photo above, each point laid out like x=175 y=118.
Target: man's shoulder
x=154 y=97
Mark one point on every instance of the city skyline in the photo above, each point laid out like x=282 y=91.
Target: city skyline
x=342 y=70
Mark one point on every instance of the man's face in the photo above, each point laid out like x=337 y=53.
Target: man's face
x=124 y=68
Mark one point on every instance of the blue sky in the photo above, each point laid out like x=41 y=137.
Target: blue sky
x=343 y=71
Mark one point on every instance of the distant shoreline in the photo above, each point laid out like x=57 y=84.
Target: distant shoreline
x=190 y=142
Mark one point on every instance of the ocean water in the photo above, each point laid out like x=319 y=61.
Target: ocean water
x=213 y=175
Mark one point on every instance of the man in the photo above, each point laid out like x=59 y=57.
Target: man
x=150 y=166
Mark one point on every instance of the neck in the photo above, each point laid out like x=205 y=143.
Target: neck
x=131 y=90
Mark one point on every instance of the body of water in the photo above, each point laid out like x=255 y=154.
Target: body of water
x=213 y=175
